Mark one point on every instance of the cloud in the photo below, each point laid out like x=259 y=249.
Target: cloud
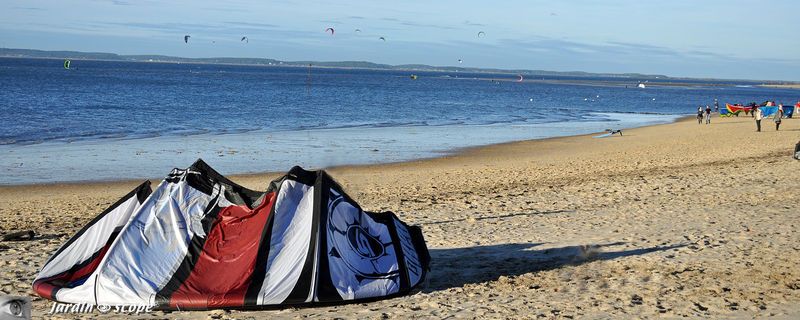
x=331 y=22
x=251 y=25
x=165 y=27
x=639 y=48
x=28 y=8
x=422 y=25
x=706 y=54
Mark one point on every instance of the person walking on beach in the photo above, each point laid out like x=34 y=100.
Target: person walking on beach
x=753 y=107
x=716 y=105
x=708 y=114
x=778 y=116
x=758 y=116
x=700 y=115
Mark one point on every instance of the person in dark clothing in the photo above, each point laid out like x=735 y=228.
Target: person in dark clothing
x=778 y=116
x=700 y=115
x=708 y=114
x=752 y=106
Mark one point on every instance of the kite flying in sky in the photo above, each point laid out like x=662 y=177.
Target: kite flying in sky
x=186 y=38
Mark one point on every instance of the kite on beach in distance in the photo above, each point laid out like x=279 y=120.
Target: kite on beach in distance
x=245 y=39
x=329 y=29
x=460 y=61
x=186 y=38
x=610 y=133
x=358 y=30
x=66 y=64
x=382 y=38
x=520 y=78
x=481 y=34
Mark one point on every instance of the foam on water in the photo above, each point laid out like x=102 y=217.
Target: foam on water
x=264 y=151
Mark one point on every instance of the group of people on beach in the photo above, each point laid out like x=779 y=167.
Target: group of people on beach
x=758 y=115
x=753 y=109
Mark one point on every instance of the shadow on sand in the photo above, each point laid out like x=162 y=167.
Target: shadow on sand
x=496 y=217
x=457 y=267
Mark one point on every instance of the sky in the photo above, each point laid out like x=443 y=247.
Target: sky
x=726 y=39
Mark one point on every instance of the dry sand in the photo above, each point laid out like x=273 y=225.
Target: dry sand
x=675 y=220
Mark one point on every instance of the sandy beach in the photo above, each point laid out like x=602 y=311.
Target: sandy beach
x=667 y=221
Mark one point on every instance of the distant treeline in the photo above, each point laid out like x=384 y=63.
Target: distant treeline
x=30 y=53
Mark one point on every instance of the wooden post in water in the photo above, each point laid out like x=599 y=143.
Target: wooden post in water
x=308 y=85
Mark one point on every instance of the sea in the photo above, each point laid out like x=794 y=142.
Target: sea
x=120 y=120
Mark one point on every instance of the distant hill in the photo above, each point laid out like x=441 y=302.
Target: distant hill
x=30 y=53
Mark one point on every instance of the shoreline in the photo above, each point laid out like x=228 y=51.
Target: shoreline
x=274 y=151
x=671 y=220
x=784 y=86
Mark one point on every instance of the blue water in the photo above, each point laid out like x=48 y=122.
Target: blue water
x=45 y=107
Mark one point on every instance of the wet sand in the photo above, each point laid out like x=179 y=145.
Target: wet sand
x=675 y=220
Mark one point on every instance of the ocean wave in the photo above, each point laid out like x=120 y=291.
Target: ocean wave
x=113 y=136
x=193 y=132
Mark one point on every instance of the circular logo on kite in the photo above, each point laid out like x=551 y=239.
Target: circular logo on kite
x=359 y=243
x=363 y=243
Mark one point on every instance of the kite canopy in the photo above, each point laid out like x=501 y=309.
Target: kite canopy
x=186 y=38
x=329 y=29
x=200 y=240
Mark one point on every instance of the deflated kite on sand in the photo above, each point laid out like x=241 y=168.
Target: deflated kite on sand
x=200 y=240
